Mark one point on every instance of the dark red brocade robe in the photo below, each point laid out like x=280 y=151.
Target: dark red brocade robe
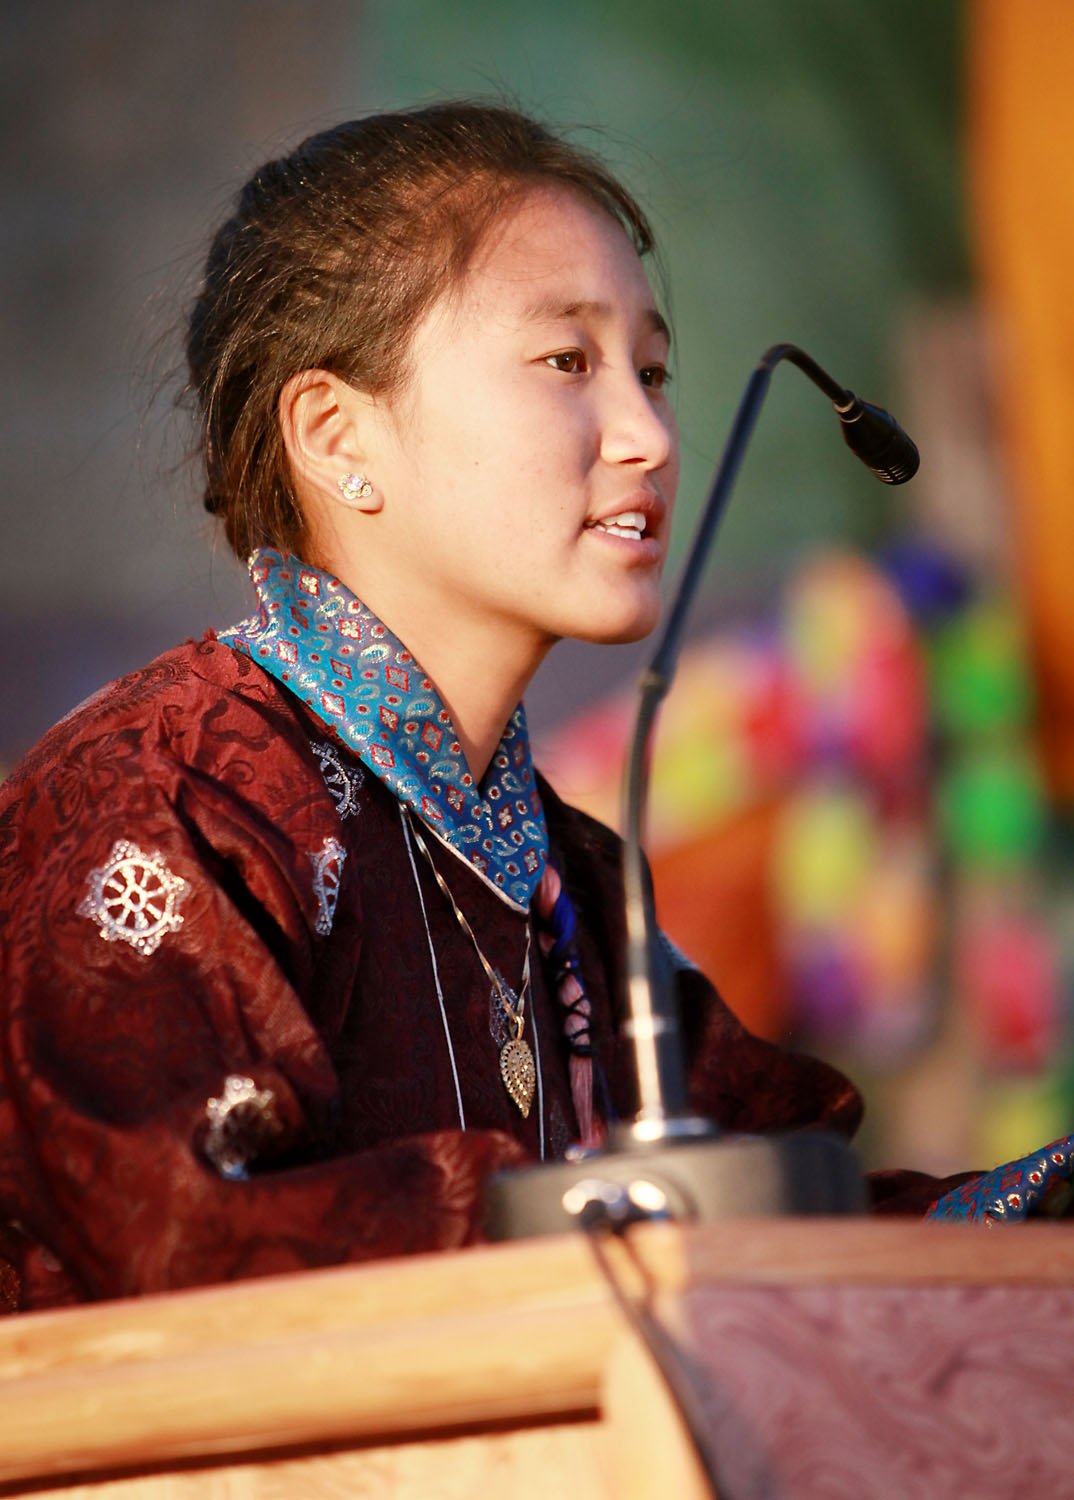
x=309 y=975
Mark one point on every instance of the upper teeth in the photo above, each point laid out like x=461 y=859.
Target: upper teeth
x=631 y=522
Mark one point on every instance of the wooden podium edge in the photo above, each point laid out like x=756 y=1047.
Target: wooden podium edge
x=516 y=1333
x=484 y=1337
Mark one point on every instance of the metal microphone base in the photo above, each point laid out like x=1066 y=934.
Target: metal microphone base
x=681 y=1170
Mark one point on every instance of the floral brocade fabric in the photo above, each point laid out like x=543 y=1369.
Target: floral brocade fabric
x=240 y=1029
x=1040 y=1185
x=313 y=635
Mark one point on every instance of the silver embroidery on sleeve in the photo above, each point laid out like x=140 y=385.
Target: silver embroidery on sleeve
x=342 y=780
x=133 y=896
x=327 y=870
x=240 y=1122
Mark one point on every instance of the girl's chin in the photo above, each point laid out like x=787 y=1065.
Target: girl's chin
x=623 y=629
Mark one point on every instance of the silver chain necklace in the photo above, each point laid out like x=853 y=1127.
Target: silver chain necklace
x=516 y=1060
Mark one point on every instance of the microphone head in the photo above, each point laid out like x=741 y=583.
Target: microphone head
x=878 y=440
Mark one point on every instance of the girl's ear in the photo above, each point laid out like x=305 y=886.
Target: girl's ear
x=322 y=420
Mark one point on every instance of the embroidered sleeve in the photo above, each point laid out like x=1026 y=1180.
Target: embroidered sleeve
x=171 y=962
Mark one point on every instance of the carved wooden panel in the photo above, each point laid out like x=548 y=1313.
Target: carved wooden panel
x=850 y=1393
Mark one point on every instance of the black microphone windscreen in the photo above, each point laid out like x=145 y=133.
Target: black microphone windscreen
x=878 y=440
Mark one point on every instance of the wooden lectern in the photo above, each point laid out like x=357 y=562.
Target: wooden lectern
x=830 y=1358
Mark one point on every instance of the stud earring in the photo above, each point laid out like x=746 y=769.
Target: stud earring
x=354 y=487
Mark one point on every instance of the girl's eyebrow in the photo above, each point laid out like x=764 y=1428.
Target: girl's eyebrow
x=549 y=310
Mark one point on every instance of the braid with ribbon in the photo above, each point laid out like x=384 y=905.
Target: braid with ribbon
x=556 y=939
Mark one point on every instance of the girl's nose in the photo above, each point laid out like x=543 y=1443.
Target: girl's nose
x=638 y=429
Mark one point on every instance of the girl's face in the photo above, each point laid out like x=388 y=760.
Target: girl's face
x=529 y=466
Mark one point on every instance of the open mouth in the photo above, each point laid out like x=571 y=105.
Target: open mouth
x=630 y=525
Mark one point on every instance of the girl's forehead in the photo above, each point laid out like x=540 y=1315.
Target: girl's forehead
x=552 y=251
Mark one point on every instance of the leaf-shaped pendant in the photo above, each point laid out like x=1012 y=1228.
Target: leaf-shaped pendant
x=519 y=1074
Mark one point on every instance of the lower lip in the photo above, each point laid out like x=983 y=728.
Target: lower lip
x=644 y=549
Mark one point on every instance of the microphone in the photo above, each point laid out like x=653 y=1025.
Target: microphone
x=653 y=1024
x=668 y=1162
x=870 y=432
x=878 y=440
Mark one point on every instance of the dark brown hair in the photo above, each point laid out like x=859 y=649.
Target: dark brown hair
x=329 y=261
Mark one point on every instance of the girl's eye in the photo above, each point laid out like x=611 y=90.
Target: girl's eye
x=568 y=362
x=655 y=376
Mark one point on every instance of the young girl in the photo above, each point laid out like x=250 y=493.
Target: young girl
x=297 y=946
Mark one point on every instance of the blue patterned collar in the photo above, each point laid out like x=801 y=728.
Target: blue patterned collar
x=314 y=636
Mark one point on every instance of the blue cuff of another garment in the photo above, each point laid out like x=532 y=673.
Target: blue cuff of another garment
x=1037 y=1186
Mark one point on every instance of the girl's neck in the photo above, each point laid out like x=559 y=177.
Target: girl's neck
x=479 y=677
x=481 y=667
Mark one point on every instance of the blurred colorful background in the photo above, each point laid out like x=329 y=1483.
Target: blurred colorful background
x=863 y=803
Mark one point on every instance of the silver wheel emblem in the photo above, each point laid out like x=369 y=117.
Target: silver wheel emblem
x=133 y=897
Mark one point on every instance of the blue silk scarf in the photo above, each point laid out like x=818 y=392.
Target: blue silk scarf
x=314 y=636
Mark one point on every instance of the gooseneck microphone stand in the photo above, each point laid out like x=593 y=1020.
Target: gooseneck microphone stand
x=667 y=1162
